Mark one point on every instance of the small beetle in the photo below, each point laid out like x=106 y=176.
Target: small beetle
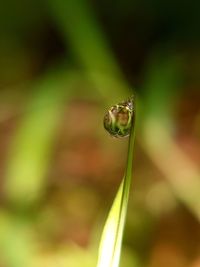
x=118 y=119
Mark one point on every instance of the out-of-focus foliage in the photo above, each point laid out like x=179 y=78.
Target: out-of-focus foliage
x=62 y=63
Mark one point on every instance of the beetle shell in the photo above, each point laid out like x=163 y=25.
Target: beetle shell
x=118 y=119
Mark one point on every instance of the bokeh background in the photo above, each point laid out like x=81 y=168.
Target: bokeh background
x=62 y=64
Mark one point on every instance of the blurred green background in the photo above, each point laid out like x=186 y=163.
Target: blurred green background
x=62 y=65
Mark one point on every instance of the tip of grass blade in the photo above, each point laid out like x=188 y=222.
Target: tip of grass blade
x=111 y=239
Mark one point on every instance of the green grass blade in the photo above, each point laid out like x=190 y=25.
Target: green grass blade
x=111 y=239
x=30 y=151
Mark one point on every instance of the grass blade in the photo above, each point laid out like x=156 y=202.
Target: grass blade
x=111 y=239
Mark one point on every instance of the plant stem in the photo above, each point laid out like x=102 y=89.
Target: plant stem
x=111 y=240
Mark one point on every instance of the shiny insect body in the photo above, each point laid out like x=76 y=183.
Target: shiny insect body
x=118 y=119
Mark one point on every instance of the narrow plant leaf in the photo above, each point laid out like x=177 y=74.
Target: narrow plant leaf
x=111 y=239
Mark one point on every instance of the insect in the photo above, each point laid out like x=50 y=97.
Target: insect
x=118 y=119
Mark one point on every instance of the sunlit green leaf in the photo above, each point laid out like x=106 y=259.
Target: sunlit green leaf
x=111 y=240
